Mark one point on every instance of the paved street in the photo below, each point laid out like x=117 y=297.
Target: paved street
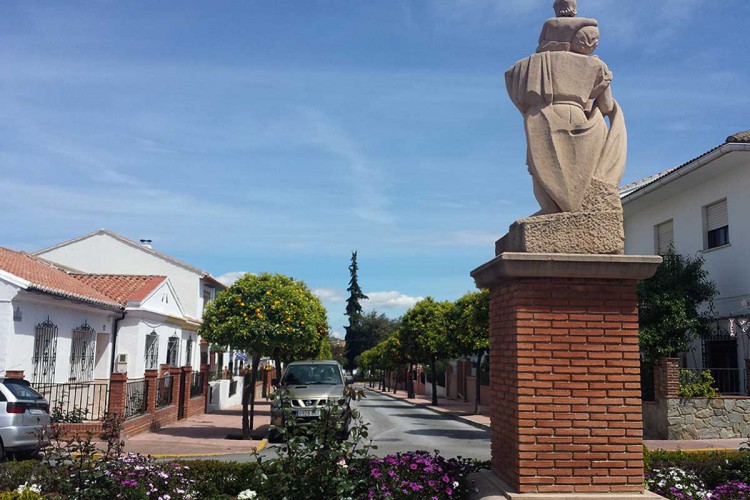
x=399 y=426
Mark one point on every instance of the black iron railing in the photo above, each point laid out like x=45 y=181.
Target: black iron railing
x=196 y=384
x=163 y=392
x=135 y=397
x=76 y=402
x=728 y=381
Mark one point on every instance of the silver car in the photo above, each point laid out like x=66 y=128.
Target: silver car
x=23 y=414
x=310 y=386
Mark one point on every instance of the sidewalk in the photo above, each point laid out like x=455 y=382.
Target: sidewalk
x=203 y=435
x=464 y=412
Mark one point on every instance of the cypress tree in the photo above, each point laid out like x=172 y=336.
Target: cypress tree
x=353 y=335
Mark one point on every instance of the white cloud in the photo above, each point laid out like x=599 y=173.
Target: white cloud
x=389 y=300
x=229 y=278
x=329 y=294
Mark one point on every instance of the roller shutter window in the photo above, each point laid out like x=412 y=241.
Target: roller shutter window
x=717 y=225
x=664 y=237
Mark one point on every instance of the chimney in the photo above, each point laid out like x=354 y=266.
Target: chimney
x=146 y=243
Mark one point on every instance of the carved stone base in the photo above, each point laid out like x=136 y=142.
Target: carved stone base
x=567 y=232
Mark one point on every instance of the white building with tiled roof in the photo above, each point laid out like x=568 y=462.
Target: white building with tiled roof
x=701 y=207
x=59 y=326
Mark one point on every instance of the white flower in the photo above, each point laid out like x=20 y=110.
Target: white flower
x=455 y=484
x=247 y=495
x=26 y=487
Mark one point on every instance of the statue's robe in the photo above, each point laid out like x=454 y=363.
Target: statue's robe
x=569 y=142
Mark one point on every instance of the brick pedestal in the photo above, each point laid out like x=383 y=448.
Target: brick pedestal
x=565 y=371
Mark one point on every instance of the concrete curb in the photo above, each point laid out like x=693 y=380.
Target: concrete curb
x=447 y=414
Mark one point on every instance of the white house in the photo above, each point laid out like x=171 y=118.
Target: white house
x=702 y=207
x=60 y=326
x=106 y=252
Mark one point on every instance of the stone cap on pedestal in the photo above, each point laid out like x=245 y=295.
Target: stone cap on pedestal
x=563 y=265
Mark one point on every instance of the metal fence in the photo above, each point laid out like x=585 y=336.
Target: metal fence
x=196 y=384
x=164 y=392
x=135 y=398
x=728 y=381
x=76 y=402
x=232 y=387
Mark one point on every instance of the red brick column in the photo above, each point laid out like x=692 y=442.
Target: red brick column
x=565 y=374
x=188 y=371
x=15 y=374
x=152 y=378
x=667 y=378
x=117 y=393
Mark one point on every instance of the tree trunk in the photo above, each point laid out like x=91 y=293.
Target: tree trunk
x=433 y=361
x=395 y=380
x=245 y=397
x=466 y=382
x=410 y=382
x=253 y=379
x=277 y=361
x=479 y=382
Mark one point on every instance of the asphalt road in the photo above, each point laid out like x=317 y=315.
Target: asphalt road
x=399 y=426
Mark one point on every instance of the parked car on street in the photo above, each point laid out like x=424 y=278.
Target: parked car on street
x=307 y=387
x=23 y=414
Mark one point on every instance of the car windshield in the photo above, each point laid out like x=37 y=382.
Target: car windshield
x=22 y=391
x=312 y=374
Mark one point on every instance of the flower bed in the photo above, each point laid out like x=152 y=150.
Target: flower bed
x=719 y=475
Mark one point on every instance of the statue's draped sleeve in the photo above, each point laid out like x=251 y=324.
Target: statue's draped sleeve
x=529 y=82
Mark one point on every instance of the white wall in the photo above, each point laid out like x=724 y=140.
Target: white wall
x=102 y=253
x=66 y=315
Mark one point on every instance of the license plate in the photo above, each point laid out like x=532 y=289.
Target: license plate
x=36 y=411
x=308 y=413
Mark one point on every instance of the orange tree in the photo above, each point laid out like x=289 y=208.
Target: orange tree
x=468 y=324
x=265 y=314
x=424 y=335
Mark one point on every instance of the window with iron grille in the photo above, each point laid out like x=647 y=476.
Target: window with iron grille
x=152 y=351
x=664 y=235
x=189 y=351
x=173 y=350
x=82 y=354
x=209 y=294
x=717 y=225
x=45 y=352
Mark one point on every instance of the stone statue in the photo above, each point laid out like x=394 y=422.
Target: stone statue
x=575 y=159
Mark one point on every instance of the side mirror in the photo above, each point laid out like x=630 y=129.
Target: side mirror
x=349 y=380
x=275 y=382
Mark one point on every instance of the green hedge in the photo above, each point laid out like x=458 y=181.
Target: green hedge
x=713 y=467
x=217 y=480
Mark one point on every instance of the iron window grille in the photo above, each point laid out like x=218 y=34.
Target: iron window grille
x=189 y=351
x=173 y=351
x=82 y=354
x=152 y=351
x=45 y=352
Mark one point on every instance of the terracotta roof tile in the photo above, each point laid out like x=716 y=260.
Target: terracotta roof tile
x=121 y=287
x=45 y=277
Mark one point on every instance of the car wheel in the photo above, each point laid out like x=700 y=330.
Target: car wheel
x=2 y=451
x=27 y=454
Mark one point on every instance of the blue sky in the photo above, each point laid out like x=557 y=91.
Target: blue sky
x=279 y=136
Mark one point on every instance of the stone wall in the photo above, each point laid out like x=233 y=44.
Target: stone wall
x=673 y=417
x=708 y=418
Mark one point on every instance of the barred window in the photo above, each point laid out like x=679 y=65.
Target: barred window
x=82 y=354
x=152 y=351
x=173 y=351
x=189 y=351
x=45 y=352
